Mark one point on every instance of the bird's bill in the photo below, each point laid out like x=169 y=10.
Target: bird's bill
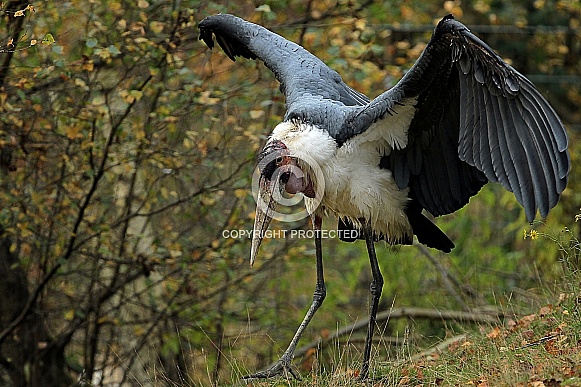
x=265 y=206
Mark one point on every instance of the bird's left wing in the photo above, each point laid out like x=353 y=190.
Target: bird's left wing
x=475 y=118
x=299 y=72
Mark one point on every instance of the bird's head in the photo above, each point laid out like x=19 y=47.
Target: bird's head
x=280 y=172
x=277 y=165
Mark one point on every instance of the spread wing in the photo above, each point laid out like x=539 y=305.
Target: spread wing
x=300 y=73
x=476 y=119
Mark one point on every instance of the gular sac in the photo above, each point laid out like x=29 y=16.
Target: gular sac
x=297 y=182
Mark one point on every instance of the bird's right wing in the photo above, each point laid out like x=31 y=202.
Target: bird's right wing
x=299 y=72
x=474 y=118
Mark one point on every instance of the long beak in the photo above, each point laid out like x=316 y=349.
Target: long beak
x=265 y=206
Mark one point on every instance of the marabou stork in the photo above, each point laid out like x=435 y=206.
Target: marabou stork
x=460 y=117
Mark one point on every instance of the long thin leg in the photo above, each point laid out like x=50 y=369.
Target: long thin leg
x=283 y=366
x=376 y=287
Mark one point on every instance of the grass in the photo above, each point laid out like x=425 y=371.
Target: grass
x=538 y=348
x=543 y=348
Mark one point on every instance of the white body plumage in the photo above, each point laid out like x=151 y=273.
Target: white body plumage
x=354 y=186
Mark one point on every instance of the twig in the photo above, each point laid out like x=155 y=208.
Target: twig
x=438 y=348
x=430 y=314
x=539 y=341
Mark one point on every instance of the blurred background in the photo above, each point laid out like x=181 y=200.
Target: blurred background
x=127 y=150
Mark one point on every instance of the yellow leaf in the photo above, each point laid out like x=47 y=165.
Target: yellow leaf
x=127 y=97
x=115 y=6
x=88 y=66
x=48 y=40
x=106 y=319
x=255 y=114
x=207 y=201
x=98 y=100
x=205 y=98
x=69 y=315
x=240 y=193
x=156 y=27
x=137 y=94
x=79 y=82
x=360 y=24
x=263 y=8
x=175 y=253
x=73 y=131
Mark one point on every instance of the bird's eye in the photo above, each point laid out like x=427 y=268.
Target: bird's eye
x=279 y=160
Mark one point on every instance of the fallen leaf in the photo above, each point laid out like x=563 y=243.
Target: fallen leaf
x=545 y=310
x=511 y=323
x=494 y=333
x=527 y=320
x=528 y=334
x=551 y=347
x=482 y=383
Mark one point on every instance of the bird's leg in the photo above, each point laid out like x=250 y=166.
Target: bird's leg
x=375 y=288
x=283 y=366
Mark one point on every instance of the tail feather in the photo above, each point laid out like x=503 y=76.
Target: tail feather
x=425 y=230
x=428 y=233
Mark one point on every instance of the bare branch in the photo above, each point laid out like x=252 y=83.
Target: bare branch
x=395 y=313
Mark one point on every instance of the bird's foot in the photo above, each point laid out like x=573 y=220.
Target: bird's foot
x=282 y=367
x=361 y=378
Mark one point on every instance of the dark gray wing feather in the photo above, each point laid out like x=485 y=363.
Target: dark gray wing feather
x=301 y=74
x=477 y=119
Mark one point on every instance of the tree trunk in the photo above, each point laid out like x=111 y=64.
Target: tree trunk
x=27 y=353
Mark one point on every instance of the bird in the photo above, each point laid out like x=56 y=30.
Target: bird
x=458 y=118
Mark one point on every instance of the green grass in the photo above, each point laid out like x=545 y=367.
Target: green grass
x=538 y=347
x=542 y=348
